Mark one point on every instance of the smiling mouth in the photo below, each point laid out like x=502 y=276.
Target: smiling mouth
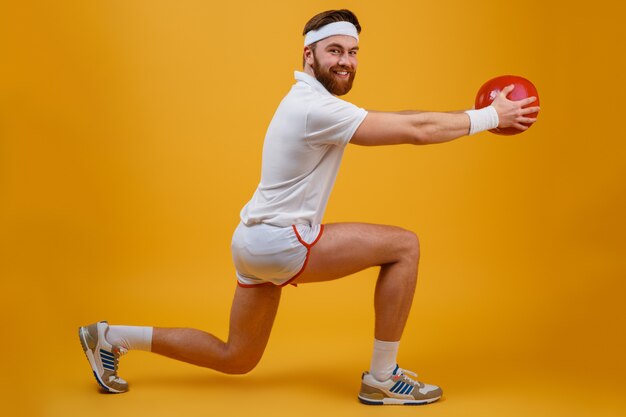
x=343 y=74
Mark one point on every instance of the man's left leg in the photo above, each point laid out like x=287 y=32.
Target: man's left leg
x=347 y=248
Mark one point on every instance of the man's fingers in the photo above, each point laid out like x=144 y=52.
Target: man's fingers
x=530 y=110
x=525 y=102
x=506 y=90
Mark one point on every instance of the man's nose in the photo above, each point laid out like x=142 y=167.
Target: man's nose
x=343 y=59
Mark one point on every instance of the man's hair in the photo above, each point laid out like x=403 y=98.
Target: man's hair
x=331 y=16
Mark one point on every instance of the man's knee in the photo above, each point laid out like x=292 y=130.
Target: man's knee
x=241 y=363
x=410 y=245
x=240 y=368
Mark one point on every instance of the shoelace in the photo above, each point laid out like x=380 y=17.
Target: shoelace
x=402 y=373
x=117 y=352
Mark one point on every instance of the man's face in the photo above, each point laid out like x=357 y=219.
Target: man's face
x=334 y=63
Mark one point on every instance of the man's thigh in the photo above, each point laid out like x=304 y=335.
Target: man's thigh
x=252 y=316
x=347 y=248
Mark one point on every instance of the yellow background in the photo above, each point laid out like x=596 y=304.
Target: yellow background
x=130 y=138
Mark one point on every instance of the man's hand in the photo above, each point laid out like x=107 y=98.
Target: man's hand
x=514 y=113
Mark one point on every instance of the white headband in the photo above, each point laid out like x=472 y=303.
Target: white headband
x=331 y=29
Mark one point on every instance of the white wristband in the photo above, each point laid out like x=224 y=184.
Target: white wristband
x=483 y=119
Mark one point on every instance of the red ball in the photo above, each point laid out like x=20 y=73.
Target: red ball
x=523 y=89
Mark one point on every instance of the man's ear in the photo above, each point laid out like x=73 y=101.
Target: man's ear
x=308 y=56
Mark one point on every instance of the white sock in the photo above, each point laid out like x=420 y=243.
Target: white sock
x=384 y=359
x=130 y=337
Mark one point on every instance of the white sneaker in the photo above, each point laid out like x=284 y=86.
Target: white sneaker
x=399 y=389
x=102 y=356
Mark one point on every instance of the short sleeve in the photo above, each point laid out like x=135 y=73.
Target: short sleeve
x=332 y=121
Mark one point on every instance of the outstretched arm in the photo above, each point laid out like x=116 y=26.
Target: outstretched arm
x=422 y=128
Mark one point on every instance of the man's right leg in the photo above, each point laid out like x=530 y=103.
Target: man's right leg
x=251 y=320
x=252 y=316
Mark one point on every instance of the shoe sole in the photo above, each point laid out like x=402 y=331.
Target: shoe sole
x=92 y=361
x=396 y=401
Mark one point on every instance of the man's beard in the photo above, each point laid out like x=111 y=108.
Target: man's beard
x=334 y=85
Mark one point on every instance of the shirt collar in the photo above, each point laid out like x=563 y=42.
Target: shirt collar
x=312 y=81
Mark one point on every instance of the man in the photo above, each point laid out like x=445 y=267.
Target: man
x=281 y=238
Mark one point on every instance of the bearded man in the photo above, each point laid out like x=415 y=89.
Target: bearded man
x=281 y=238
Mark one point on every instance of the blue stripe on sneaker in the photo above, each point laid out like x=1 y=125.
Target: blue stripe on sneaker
x=395 y=370
x=105 y=353
x=108 y=362
x=109 y=367
x=406 y=389
x=393 y=389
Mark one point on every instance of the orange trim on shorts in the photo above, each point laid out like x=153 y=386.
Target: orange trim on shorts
x=308 y=247
x=308 y=252
x=253 y=285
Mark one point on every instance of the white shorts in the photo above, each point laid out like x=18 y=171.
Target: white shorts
x=269 y=254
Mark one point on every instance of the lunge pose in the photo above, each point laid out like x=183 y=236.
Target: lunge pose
x=281 y=238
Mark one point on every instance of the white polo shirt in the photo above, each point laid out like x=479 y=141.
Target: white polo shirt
x=302 y=152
